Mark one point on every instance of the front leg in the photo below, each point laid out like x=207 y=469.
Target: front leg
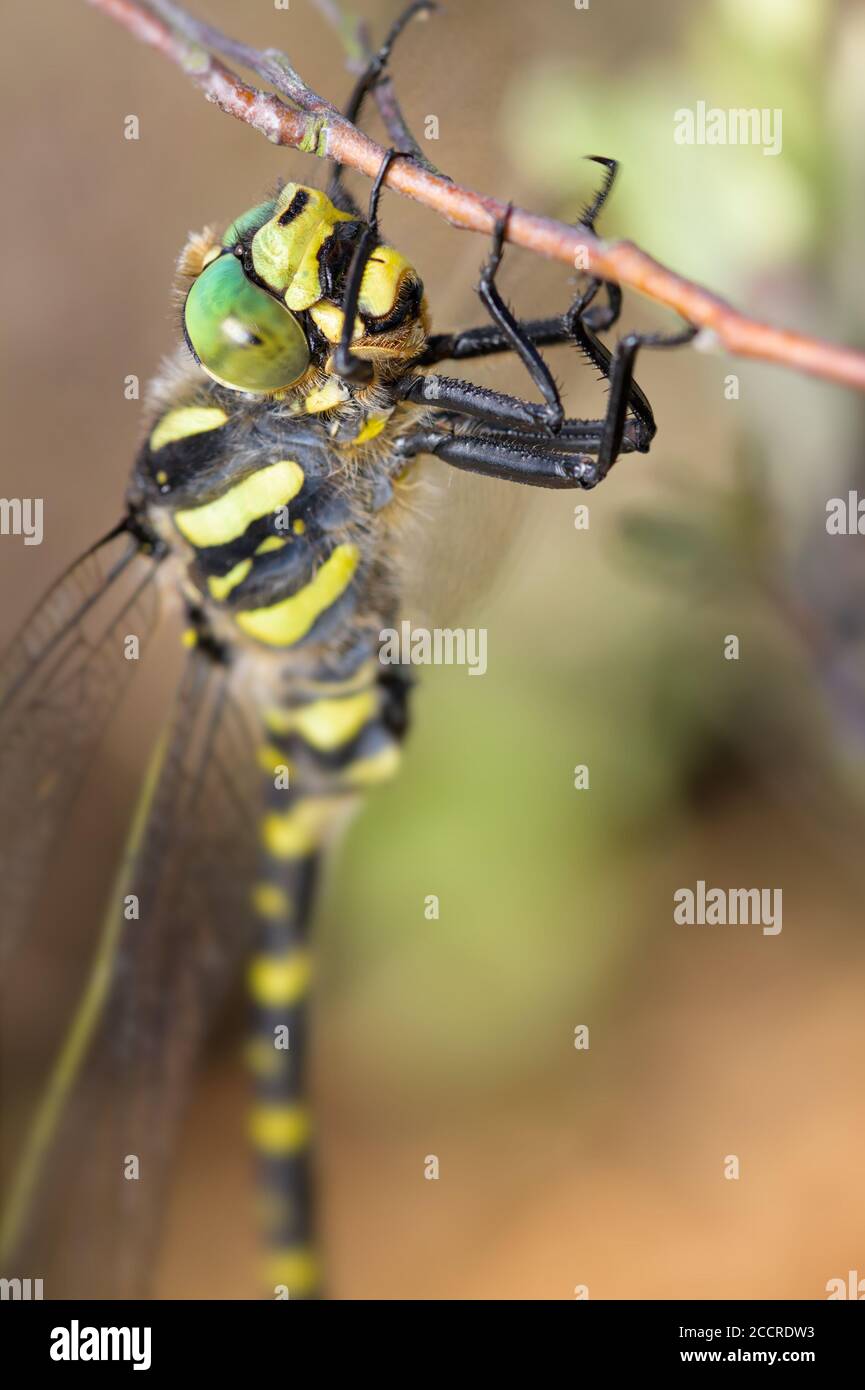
x=515 y=459
x=552 y=412
x=455 y=400
x=489 y=340
x=627 y=404
x=477 y=402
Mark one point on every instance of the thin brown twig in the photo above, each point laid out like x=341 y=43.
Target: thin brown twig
x=313 y=125
x=354 y=36
x=373 y=76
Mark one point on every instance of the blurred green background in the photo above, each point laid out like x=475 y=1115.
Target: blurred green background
x=455 y=1037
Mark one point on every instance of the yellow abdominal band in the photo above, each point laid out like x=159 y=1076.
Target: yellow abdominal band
x=286 y=622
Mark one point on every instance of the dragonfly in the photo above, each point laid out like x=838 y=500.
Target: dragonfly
x=272 y=497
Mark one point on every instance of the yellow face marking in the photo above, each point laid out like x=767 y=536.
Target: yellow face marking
x=368 y=772
x=385 y=272
x=296 y=833
x=330 y=319
x=286 y=256
x=305 y=288
x=327 y=724
x=294 y=1268
x=221 y=586
x=216 y=523
x=185 y=421
x=286 y=622
x=280 y=1129
x=271 y=901
x=280 y=980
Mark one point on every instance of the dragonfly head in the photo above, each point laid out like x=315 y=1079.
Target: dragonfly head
x=265 y=304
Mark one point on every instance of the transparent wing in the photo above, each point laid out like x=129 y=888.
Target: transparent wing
x=456 y=532
x=60 y=681
x=86 y=1201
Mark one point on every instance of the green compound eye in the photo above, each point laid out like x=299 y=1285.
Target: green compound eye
x=245 y=339
x=248 y=221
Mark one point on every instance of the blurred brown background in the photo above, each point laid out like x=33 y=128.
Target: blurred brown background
x=455 y=1037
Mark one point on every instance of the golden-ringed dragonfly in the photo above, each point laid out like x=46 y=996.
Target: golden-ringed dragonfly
x=267 y=494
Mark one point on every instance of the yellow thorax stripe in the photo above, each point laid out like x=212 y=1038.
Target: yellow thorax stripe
x=186 y=420
x=221 y=586
x=226 y=518
x=280 y=1129
x=283 y=623
x=333 y=393
x=271 y=543
x=372 y=429
x=297 y=832
x=326 y=724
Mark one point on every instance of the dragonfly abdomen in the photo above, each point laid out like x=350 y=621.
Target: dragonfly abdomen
x=324 y=746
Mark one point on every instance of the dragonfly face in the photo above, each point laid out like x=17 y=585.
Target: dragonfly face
x=264 y=309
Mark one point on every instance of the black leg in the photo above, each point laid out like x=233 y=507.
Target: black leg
x=463 y=398
x=503 y=413
x=540 y=463
x=551 y=413
x=345 y=364
x=592 y=211
x=599 y=319
x=511 y=445
x=509 y=448
x=575 y=437
x=376 y=66
x=487 y=340
x=506 y=416
x=625 y=394
x=372 y=74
